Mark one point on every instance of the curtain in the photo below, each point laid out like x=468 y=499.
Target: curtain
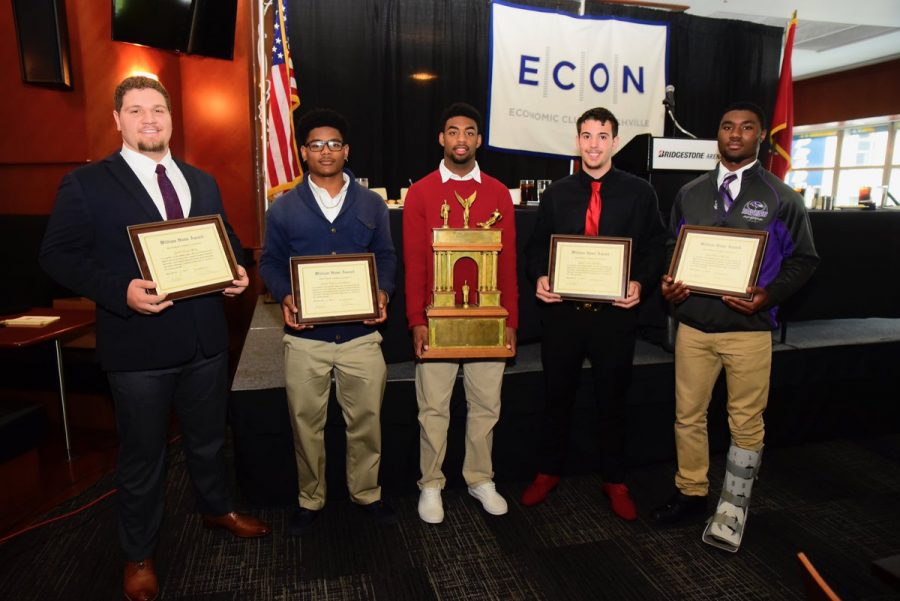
x=712 y=63
x=357 y=57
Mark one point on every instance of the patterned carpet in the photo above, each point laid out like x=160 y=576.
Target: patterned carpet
x=837 y=500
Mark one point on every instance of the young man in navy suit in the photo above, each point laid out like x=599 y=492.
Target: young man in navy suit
x=158 y=354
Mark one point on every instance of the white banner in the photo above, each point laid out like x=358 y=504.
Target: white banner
x=548 y=68
x=684 y=154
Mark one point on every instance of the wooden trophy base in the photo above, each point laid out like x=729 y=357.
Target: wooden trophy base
x=466 y=333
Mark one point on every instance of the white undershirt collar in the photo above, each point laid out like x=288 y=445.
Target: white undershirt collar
x=446 y=174
x=330 y=205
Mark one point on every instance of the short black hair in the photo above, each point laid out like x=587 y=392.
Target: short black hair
x=461 y=109
x=322 y=118
x=746 y=105
x=600 y=114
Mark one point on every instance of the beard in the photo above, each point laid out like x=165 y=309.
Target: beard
x=740 y=156
x=590 y=165
x=461 y=160
x=748 y=151
x=158 y=147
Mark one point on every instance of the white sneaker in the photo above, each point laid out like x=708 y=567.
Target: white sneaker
x=490 y=499
x=431 y=509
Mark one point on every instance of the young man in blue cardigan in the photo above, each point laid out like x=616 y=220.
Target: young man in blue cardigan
x=329 y=213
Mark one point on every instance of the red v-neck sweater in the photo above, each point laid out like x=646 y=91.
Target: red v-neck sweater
x=422 y=213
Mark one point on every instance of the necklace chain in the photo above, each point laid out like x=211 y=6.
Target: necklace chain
x=327 y=206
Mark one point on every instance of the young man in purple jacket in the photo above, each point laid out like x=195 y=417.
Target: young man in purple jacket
x=729 y=332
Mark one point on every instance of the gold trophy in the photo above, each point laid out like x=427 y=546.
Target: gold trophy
x=477 y=327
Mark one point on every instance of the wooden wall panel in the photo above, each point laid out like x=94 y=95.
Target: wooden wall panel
x=39 y=121
x=50 y=131
x=871 y=91
x=30 y=189
x=217 y=100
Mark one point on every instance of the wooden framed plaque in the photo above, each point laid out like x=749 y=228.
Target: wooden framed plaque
x=335 y=288
x=590 y=268
x=718 y=261
x=185 y=257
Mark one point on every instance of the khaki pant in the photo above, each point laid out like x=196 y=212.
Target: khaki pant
x=434 y=386
x=699 y=357
x=359 y=375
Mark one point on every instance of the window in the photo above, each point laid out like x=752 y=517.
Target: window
x=812 y=159
x=894 y=183
x=841 y=160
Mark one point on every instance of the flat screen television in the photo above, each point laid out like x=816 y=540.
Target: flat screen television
x=204 y=27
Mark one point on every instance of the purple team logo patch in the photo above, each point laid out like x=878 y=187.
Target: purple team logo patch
x=755 y=211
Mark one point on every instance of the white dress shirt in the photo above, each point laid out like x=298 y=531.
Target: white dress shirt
x=145 y=169
x=330 y=205
x=735 y=185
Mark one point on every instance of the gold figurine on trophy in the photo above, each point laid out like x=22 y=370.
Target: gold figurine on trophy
x=468 y=202
x=495 y=217
x=477 y=327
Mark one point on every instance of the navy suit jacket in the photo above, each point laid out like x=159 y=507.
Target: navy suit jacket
x=86 y=249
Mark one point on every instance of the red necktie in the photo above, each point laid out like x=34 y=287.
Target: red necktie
x=592 y=217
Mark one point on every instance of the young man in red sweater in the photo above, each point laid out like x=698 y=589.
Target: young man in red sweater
x=458 y=174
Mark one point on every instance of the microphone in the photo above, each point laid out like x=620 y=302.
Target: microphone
x=669 y=103
x=670 y=96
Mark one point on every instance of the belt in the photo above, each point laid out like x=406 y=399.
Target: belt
x=584 y=306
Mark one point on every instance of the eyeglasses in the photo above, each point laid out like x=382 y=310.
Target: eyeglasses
x=319 y=145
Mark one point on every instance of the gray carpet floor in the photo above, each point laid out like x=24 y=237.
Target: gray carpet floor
x=836 y=500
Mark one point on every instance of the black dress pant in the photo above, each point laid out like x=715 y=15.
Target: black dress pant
x=197 y=390
x=606 y=337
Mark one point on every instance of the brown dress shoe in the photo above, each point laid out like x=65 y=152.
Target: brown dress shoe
x=139 y=582
x=239 y=524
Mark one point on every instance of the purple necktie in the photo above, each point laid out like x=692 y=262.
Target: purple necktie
x=725 y=190
x=170 y=197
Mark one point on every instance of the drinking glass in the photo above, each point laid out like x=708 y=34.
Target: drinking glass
x=540 y=187
x=526 y=188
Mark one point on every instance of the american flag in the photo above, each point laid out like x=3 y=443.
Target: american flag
x=282 y=159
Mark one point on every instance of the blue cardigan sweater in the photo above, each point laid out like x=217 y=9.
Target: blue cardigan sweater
x=295 y=226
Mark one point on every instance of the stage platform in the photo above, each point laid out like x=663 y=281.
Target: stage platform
x=830 y=378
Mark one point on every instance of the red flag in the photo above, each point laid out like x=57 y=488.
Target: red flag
x=282 y=159
x=782 y=129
